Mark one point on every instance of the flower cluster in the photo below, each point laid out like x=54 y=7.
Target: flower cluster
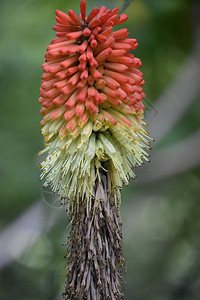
x=91 y=95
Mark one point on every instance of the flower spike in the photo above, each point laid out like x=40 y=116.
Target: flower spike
x=90 y=62
x=91 y=96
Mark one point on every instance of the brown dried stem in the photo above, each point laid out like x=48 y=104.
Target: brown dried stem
x=95 y=261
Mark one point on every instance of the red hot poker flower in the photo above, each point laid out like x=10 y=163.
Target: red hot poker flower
x=91 y=95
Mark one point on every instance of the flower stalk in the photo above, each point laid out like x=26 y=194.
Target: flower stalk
x=95 y=261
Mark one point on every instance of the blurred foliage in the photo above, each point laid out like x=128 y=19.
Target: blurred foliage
x=162 y=249
x=162 y=253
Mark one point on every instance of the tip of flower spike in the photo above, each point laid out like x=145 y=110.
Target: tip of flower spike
x=83 y=9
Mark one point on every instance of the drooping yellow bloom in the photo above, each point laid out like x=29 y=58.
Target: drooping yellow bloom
x=92 y=95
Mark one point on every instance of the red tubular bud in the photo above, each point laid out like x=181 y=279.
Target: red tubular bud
x=93 y=43
x=84 y=74
x=72 y=100
x=74 y=79
x=80 y=107
x=122 y=33
x=111 y=83
x=122 y=18
x=83 y=119
x=92 y=14
x=101 y=38
x=102 y=56
x=74 y=35
x=81 y=84
x=82 y=94
x=69 y=114
x=71 y=125
x=95 y=73
x=83 y=9
x=86 y=32
x=74 y=17
x=63 y=16
x=116 y=67
x=59 y=100
x=83 y=46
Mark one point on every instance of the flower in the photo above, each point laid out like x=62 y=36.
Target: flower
x=91 y=94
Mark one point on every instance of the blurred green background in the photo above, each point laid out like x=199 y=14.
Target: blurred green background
x=160 y=209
